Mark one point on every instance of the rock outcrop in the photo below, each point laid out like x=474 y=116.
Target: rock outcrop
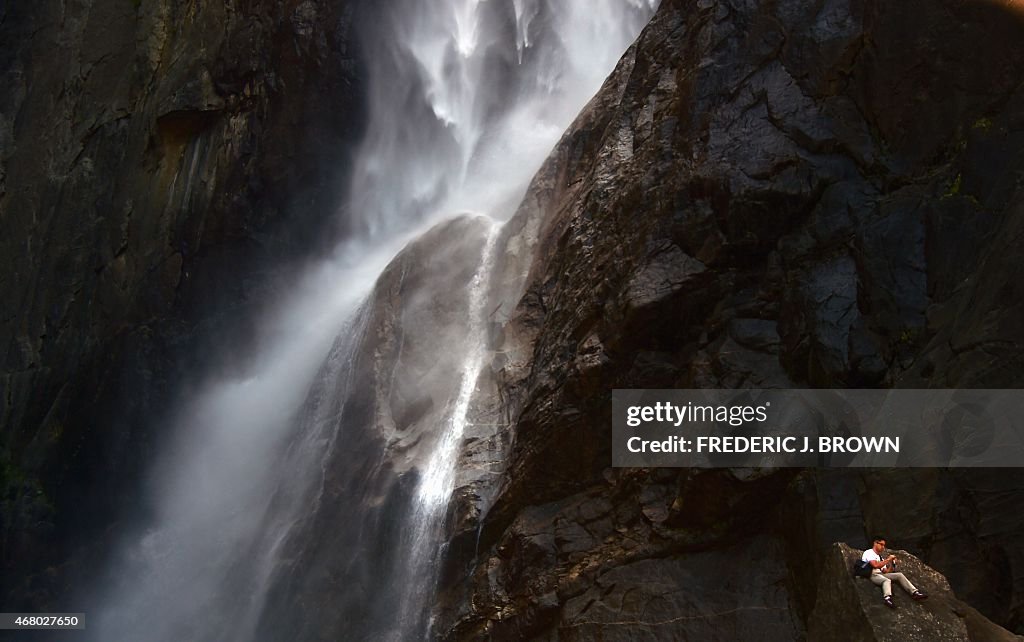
x=849 y=608
x=344 y=569
x=158 y=160
x=761 y=195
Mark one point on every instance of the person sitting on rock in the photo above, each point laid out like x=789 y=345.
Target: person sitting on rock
x=884 y=572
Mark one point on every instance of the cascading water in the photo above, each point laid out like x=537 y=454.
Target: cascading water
x=307 y=498
x=419 y=546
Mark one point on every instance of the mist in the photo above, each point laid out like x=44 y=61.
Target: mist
x=342 y=433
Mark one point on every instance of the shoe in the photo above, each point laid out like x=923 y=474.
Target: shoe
x=918 y=595
x=888 y=601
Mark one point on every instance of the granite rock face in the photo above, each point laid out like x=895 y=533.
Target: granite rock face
x=761 y=195
x=158 y=161
x=849 y=608
x=343 y=570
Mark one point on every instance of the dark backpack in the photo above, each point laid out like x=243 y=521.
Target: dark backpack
x=862 y=569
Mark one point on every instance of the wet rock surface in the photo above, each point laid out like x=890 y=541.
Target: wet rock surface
x=159 y=161
x=761 y=195
x=389 y=383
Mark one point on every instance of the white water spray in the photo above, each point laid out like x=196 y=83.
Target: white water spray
x=437 y=481
x=438 y=478
x=466 y=99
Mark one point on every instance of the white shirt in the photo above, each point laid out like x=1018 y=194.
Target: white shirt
x=871 y=556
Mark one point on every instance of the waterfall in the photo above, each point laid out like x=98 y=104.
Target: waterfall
x=305 y=498
x=438 y=478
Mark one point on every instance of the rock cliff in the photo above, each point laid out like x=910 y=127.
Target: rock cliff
x=762 y=194
x=158 y=161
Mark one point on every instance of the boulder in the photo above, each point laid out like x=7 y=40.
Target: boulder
x=851 y=608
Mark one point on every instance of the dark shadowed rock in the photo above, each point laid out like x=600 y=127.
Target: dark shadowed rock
x=850 y=608
x=702 y=596
x=160 y=162
x=761 y=195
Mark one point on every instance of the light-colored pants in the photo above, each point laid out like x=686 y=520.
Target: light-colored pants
x=885 y=581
